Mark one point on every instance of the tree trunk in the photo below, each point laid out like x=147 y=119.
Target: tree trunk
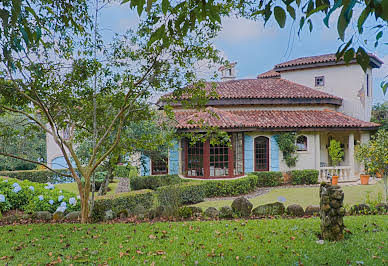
x=385 y=177
x=84 y=191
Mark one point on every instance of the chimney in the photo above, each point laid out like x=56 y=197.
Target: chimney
x=228 y=72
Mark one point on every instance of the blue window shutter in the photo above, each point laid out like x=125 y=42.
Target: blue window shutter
x=248 y=154
x=145 y=165
x=173 y=159
x=274 y=154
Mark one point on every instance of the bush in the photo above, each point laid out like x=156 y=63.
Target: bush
x=39 y=176
x=153 y=182
x=234 y=187
x=122 y=201
x=125 y=171
x=177 y=195
x=269 y=179
x=309 y=176
x=32 y=197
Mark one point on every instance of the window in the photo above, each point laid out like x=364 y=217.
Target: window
x=205 y=160
x=261 y=154
x=219 y=160
x=301 y=143
x=159 y=166
x=195 y=159
x=230 y=72
x=367 y=85
x=319 y=81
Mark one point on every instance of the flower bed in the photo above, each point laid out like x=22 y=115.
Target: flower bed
x=32 y=197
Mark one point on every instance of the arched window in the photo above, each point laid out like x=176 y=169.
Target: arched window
x=301 y=143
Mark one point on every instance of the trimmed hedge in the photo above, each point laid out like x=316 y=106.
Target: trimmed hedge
x=39 y=176
x=180 y=194
x=122 y=201
x=234 y=187
x=308 y=176
x=269 y=179
x=153 y=182
x=125 y=171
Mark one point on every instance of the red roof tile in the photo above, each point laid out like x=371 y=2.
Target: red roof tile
x=269 y=74
x=314 y=60
x=263 y=89
x=268 y=119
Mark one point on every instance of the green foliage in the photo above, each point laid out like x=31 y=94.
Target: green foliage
x=27 y=142
x=336 y=152
x=39 y=176
x=308 y=176
x=185 y=212
x=269 y=179
x=153 y=182
x=27 y=198
x=125 y=171
x=223 y=188
x=180 y=194
x=122 y=201
x=286 y=142
x=380 y=115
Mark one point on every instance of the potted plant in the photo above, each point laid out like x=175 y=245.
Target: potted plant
x=374 y=155
x=336 y=154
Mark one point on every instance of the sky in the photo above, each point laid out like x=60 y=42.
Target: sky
x=257 y=48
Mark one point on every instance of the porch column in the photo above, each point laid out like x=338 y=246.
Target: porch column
x=351 y=154
x=317 y=150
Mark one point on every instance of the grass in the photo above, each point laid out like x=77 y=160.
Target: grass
x=239 y=242
x=72 y=187
x=305 y=196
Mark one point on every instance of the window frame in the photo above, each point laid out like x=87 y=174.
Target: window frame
x=305 y=143
x=316 y=81
x=154 y=172
x=267 y=142
x=207 y=161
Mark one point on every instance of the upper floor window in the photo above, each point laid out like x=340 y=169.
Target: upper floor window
x=301 y=143
x=367 y=85
x=319 y=81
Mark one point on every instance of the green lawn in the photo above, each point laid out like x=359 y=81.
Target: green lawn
x=307 y=196
x=261 y=242
x=72 y=187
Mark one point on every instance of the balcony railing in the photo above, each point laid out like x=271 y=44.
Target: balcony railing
x=344 y=173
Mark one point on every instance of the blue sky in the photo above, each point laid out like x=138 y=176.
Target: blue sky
x=256 y=48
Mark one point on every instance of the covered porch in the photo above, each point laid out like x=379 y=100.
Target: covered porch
x=348 y=169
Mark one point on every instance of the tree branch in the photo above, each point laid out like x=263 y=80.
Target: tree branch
x=31 y=161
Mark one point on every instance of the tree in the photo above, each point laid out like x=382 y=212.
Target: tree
x=50 y=82
x=380 y=115
x=17 y=138
x=371 y=15
x=374 y=155
x=336 y=152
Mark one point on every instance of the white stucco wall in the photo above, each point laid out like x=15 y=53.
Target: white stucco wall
x=345 y=81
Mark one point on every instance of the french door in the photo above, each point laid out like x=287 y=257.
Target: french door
x=261 y=154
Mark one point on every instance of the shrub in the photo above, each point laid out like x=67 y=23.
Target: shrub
x=269 y=179
x=122 y=201
x=39 y=176
x=177 y=195
x=31 y=197
x=309 y=176
x=234 y=187
x=153 y=182
x=125 y=171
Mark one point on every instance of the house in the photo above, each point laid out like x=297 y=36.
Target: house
x=317 y=97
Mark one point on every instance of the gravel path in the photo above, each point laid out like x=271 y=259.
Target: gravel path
x=123 y=185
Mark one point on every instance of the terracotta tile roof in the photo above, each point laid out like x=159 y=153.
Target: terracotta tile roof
x=326 y=58
x=269 y=74
x=268 y=119
x=263 y=89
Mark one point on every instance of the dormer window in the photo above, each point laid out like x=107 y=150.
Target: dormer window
x=319 y=81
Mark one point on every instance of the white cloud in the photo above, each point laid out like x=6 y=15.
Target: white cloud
x=241 y=29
